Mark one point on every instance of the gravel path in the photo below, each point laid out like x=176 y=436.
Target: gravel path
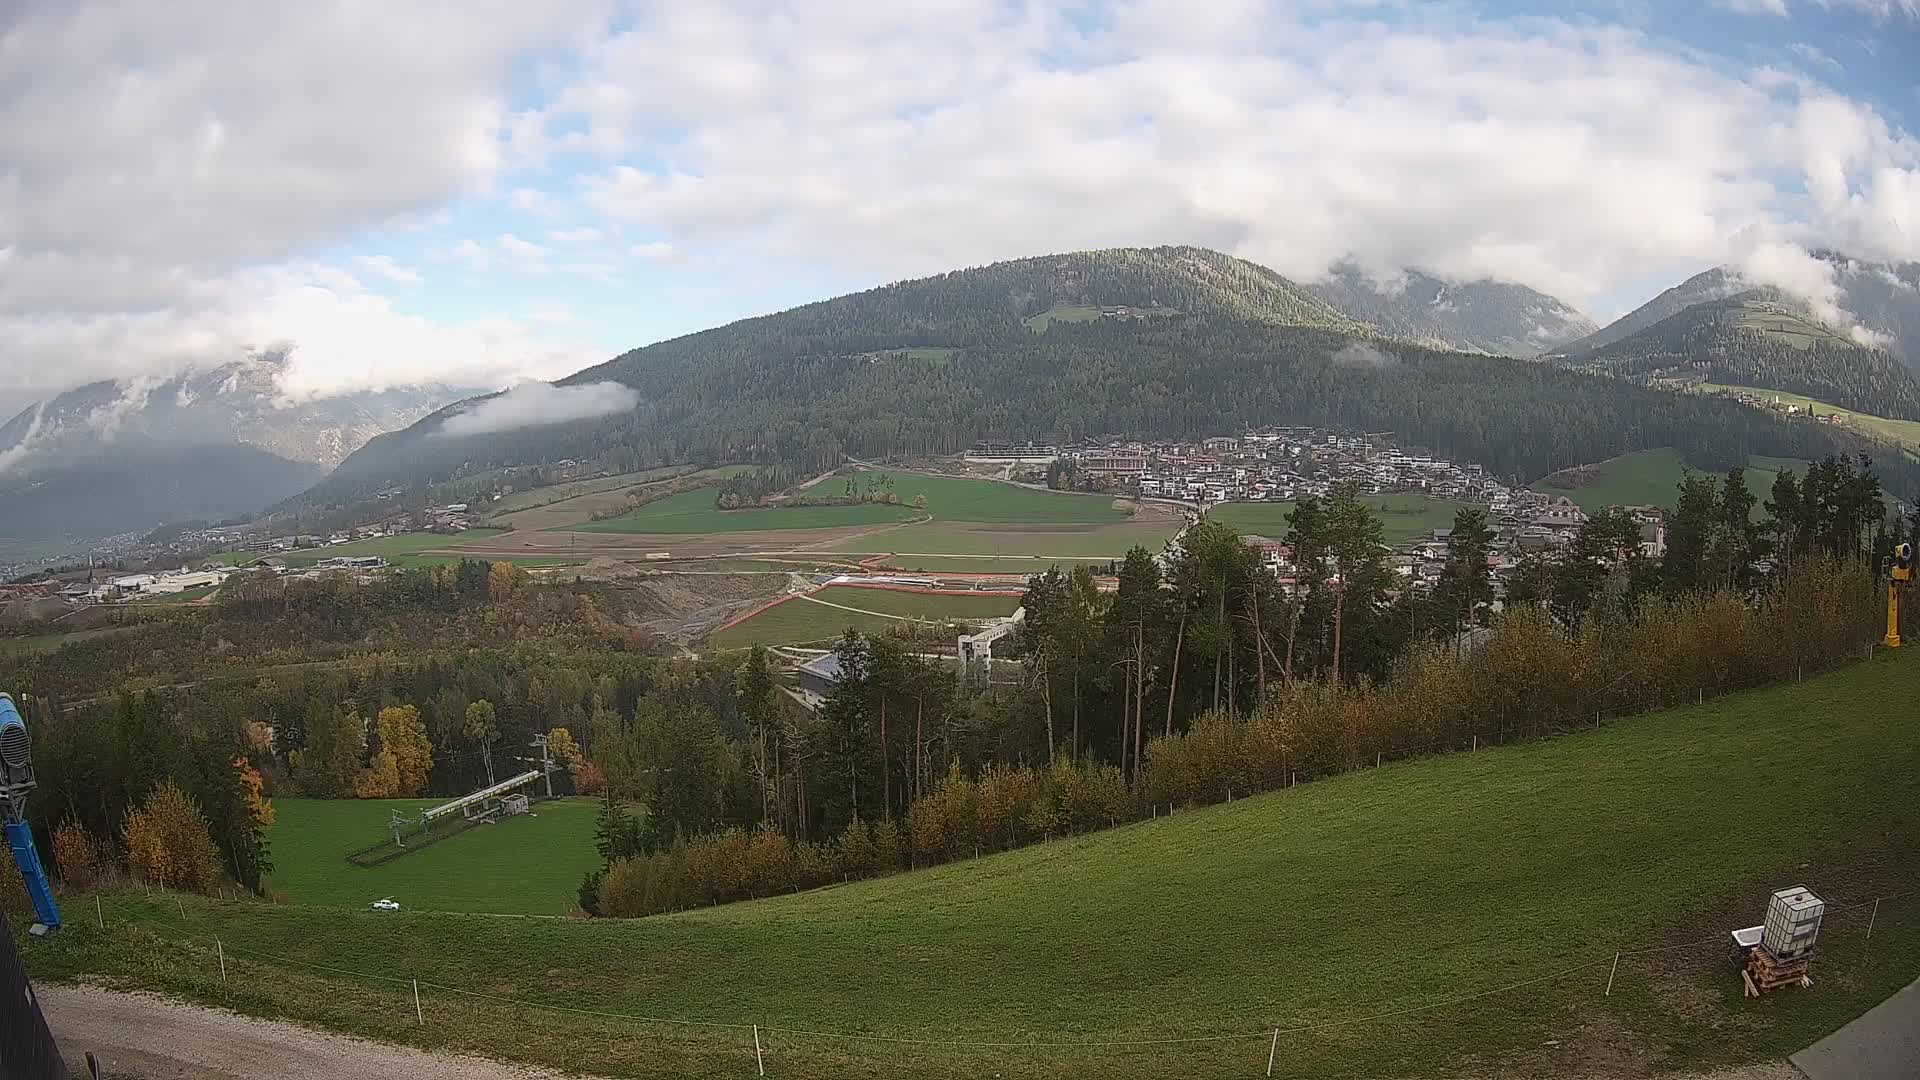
x=150 y=1038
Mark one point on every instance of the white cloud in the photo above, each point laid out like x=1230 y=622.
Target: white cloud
x=386 y=267
x=1520 y=151
x=535 y=404
x=1754 y=7
x=655 y=251
x=154 y=158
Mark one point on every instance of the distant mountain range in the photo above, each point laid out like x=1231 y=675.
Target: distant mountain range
x=1175 y=341
x=119 y=456
x=1475 y=316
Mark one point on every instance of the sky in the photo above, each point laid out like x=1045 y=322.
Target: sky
x=482 y=193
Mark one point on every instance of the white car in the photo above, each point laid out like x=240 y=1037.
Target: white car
x=387 y=904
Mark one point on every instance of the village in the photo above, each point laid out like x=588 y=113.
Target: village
x=1283 y=464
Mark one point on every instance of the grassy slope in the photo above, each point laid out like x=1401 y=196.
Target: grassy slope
x=553 y=493
x=1403 y=517
x=1412 y=886
x=1650 y=478
x=525 y=866
x=1904 y=433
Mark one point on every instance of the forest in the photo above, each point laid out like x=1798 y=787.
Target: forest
x=807 y=387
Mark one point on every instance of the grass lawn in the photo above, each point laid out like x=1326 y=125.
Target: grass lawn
x=553 y=493
x=184 y=596
x=1356 y=913
x=523 y=866
x=1905 y=433
x=797 y=621
x=1650 y=478
x=1403 y=518
x=692 y=513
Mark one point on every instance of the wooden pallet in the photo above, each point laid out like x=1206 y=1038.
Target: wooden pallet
x=1764 y=973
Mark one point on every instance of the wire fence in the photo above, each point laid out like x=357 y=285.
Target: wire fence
x=216 y=952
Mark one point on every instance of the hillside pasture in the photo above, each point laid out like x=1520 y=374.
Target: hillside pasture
x=1647 y=478
x=1453 y=915
x=548 y=494
x=1902 y=433
x=521 y=866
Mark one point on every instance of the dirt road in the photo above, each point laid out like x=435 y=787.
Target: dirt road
x=151 y=1038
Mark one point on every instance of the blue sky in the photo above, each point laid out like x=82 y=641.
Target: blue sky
x=479 y=193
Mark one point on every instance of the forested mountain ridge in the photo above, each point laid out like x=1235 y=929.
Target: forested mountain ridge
x=1473 y=316
x=1747 y=341
x=1883 y=297
x=931 y=366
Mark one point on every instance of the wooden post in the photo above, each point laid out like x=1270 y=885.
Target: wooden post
x=1476 y=743
x=1610 y=974
x=759 y=1058
x=418 y=1016
x=1376 y=759
x=97 y=913
x=182 y=905
x=221 y=951
x=1273 y=1051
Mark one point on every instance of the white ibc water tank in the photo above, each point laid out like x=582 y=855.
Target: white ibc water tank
x=1793 y=923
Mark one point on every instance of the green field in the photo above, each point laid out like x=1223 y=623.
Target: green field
x=1904 y=433
x=402 y=550
x=692 y=513
x=1062 y=313
x=1651 y=478
x=553 y=493
x=522 y=866
x=949 y=498
x=799 y=620
x=1458 y=914
x=961 y=498
x=1403 y=518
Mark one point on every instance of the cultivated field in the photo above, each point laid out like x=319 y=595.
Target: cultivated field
x=1403 y=518
x=1454 y=915
x=1647 y=478
x=693 y=513
x=553 y=507
x=555 y=493
x=523 y=866
x=827 y=613
x=407 y=549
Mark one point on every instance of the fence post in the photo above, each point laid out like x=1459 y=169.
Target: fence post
x=1273 y=1051
x=1610 y=973
x=97 y=913
x=1376 y=759
x=418 y=1016
x=759 y=1058
x=221 y=951
x=1476 y=743
x=182 y=905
